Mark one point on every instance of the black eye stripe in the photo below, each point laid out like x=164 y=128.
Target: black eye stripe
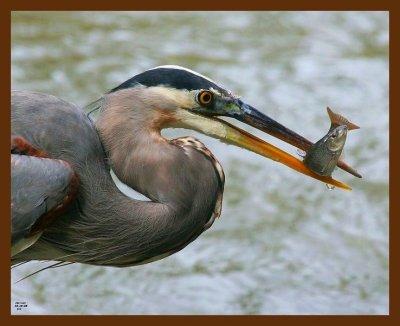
x=169 y=77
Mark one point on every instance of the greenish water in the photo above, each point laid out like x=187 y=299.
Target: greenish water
x=284 y=244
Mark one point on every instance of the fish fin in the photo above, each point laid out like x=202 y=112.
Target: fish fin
x=337 y=119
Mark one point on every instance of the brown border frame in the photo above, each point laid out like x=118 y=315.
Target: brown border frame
x=394 y=242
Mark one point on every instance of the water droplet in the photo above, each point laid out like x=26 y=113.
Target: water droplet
x=330 y=187
x=301 y=153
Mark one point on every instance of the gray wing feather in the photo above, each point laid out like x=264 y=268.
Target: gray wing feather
x=37 y=186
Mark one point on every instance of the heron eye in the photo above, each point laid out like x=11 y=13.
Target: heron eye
x=205 y=97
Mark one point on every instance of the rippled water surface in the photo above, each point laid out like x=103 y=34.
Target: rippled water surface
x=284 y=244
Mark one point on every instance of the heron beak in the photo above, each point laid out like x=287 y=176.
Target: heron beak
x=230 y=134
x=241 y=138
x=252 y=117
x=259 y=120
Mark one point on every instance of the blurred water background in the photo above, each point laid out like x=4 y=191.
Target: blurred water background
x=284 y=244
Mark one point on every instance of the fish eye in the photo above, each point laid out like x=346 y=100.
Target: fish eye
x=205 y=97
x=333 y=136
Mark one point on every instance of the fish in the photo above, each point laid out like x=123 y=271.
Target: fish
x=323 y=156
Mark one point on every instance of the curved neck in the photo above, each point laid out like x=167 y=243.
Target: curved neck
x=138 y=154
x=182 y=197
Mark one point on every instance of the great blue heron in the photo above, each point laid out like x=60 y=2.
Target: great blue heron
x=67 y=208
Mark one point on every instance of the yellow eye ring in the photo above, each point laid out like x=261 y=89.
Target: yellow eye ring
x=205 y=97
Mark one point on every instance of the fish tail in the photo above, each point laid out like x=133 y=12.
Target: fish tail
x=337 y=119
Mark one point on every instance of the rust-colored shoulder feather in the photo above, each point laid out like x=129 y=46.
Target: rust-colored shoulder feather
x=337 y=119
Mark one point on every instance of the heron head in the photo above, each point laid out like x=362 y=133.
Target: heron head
x=197 y=102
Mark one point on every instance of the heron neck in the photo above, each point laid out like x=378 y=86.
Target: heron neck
x=135 y=148
x=130 y=129
x=183 y=194
x=130 y=126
